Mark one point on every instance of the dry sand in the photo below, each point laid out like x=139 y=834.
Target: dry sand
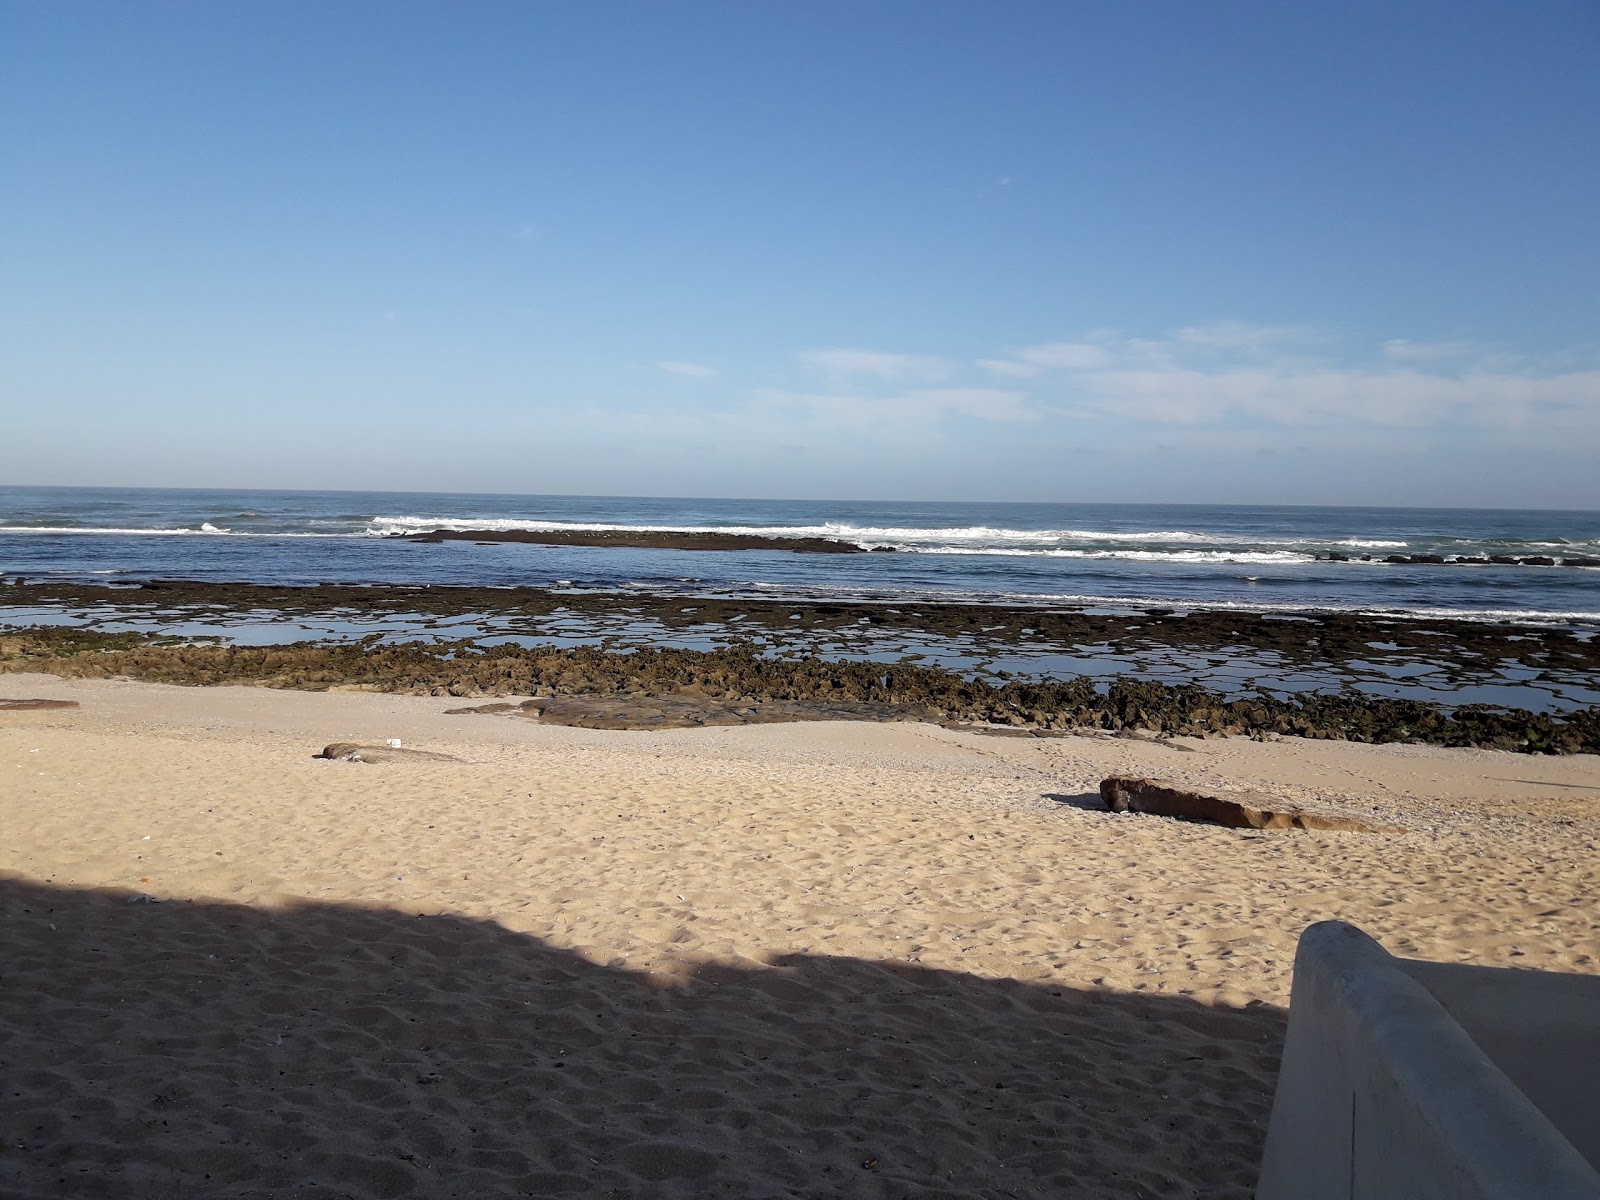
x=823 y=959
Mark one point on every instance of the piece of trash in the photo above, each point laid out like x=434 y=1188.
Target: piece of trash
x=868 y=1164
x=394 y=743
x=145 y=838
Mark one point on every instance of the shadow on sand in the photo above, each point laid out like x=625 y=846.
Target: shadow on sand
x=209 y=1050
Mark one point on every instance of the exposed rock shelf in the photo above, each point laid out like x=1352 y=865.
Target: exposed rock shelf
x=739 y=677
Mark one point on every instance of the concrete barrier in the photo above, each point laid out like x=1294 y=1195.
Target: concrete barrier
x=1408 y=1080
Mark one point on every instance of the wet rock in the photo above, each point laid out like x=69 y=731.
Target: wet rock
x=744 y=683
x=692 y=711
x=29 y=705
x=1320 y=640
x=1537 y=560
x=1126 y=793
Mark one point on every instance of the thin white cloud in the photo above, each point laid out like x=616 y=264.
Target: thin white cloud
x=1231 y=381
x=908 y=413
x=1406 y=350
x=1231 y=372
x=1238 y=337
x=1010 y=367
x=1032 y=361
x=1341 y=397
x=689 y=370
x=982 y=404
x=876 y=364
x=1068 y=356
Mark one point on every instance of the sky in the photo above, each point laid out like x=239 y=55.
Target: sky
x=1274 y=252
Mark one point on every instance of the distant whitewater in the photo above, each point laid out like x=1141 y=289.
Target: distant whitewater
x=1272 y=559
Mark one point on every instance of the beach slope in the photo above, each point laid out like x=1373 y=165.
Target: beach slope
x=817 y=959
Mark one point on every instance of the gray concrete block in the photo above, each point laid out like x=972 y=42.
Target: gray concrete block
x=1406 y=1080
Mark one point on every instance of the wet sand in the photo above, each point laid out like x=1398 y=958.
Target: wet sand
x=822 y=959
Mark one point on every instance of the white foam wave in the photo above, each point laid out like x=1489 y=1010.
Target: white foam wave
x=206 y=530
x=910 y=538
x=389 y=526
x=1262 y=557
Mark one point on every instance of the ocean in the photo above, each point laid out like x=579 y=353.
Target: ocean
x=1111 y=556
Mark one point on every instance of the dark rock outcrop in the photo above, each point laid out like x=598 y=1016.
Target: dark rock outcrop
x=773 y=659
x=1126 y=793
x=682 y=711
x=742 y=677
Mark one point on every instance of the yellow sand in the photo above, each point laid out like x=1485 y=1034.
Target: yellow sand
x=820 y=959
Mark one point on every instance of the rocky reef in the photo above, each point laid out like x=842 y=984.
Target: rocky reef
x=742 y=678
x=1471 y=560
x=1317 y=639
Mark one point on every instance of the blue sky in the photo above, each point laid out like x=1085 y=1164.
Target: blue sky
x=1229 y=252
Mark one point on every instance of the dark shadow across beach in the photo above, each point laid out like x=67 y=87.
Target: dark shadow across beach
x=209 y=1050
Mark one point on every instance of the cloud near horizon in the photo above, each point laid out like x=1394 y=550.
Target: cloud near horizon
x=875 y=364
x=1226 y=390
x=909 y=412
x=1217 y=374
x=689 y=370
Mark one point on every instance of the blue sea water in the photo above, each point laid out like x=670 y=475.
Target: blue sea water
x=1099 y=555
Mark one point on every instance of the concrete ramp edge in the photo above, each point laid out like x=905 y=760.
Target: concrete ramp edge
x=1382 y=1095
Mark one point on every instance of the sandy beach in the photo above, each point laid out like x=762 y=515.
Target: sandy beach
x=837 y=958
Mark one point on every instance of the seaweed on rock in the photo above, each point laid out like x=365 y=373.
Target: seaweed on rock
x=807 y=687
